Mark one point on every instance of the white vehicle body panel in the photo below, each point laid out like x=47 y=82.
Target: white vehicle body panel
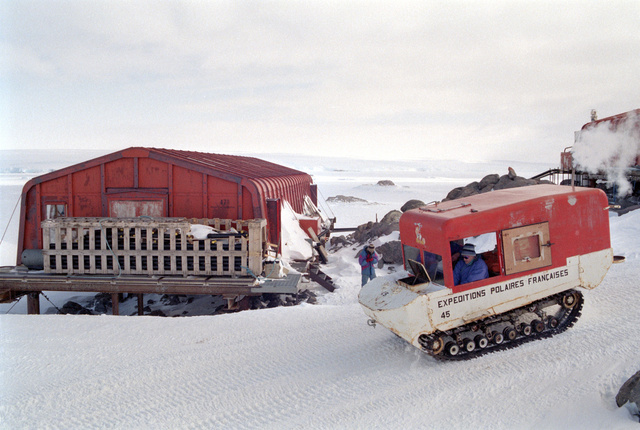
x=410 y=311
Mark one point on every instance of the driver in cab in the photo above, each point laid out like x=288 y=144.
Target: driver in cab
x=470 y=267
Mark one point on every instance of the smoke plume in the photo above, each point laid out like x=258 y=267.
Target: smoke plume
x=611 y=149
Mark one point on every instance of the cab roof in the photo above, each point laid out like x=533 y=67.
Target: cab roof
x=564 y=206
x=498 y=200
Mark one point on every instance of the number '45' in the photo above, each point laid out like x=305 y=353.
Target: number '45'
x=445 y=314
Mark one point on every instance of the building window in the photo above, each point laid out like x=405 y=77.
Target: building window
x=57 y=210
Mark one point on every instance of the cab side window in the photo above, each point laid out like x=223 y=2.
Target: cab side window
x=526 y=248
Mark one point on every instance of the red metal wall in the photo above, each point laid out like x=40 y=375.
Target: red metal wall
x=179 y=183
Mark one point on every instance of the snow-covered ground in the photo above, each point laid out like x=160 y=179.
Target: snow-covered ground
x=318 y=366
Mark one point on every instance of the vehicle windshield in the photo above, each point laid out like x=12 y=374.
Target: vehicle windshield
x=433 y=265
x=431 y=262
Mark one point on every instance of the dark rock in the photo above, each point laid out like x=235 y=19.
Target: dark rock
x=630 y=391
x=507 y=182
x=453 y=194
x=171 y=299
x=487 y=188
x=274 y=300
x=489 y=180
x=411 y=204
x=308 y=296
x=362 y=233
x=74 y=308
x=627 y=209
x=100 y=308
x=492 y=182
x=391 y=217
x=391 y=252
x=371 y=230
x=386 y=183
x=460 y=192
x=338 y=242
x=469 y=190
x=345 y=199
x=157 y=313
x=100 y=303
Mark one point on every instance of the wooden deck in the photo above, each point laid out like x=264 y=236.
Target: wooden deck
x=148 y=256
x=33 y=282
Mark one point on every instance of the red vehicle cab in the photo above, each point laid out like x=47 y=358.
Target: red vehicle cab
x=529 y=228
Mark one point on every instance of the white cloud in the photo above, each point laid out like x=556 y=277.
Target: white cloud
x=510 y=78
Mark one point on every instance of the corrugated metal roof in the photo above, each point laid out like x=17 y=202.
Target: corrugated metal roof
x=240 y=166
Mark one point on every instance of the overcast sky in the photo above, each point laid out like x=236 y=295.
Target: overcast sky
x=475 y=80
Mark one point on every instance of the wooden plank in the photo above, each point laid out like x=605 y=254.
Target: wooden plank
x=33 y=303
x=324 y=256
x=140 y=304
x=6 y=295
x=115 y=303
x=130 y=284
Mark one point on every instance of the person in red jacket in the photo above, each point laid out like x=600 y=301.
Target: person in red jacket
x=368 y=259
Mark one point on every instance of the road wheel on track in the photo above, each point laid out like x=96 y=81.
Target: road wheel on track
x=510 y=333
x=481 y=341
x=552 y=322
x=569 y=300
x=452 y=348
x=525 y=329
x=537 y=326
x=468 y=345
x=497 y=337
x=437 y=345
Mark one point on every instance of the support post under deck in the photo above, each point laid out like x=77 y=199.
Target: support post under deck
x=115 y=304
x=33 y=303
x=140 y=304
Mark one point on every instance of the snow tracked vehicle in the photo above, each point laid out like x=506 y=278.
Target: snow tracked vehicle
x=539 y=243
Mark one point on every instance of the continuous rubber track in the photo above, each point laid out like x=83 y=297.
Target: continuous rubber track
x=566 y=317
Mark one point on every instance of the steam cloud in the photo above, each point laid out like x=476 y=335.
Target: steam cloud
x=608 y=149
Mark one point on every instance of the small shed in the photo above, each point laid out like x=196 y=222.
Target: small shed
x=163 y=183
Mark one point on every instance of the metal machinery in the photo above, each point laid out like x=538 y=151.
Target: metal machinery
x=623 y=162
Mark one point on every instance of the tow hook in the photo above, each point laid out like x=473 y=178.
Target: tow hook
x=371 y=323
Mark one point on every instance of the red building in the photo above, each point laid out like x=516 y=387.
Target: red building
x=163 y=183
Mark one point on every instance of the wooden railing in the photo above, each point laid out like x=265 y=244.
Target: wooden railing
x=152 y=246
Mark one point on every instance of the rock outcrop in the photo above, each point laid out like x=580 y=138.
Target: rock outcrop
x=345 y=199
x=493 y=182
x=411 y=204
